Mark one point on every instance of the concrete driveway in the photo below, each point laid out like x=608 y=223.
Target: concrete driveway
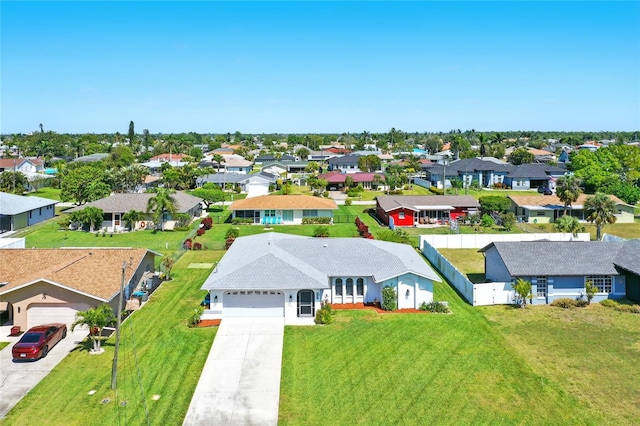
x=240 y=382
x=18 y=378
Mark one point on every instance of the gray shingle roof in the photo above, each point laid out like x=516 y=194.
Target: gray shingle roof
x=11 y=204
x=629 y=256
x=392 y=202
x=559 y=258
x=124 y=202
x=280 y=261
x=535 y=171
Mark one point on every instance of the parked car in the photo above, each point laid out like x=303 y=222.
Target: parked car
x=206 y=301
x=36 y=343
x=545 y=190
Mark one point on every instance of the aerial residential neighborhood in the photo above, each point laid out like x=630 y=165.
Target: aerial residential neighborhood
x=319 y=213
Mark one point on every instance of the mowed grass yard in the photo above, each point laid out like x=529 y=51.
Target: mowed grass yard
x=159 y=355
x=490 y=365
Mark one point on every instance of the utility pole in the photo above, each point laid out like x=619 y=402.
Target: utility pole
x=114 y=367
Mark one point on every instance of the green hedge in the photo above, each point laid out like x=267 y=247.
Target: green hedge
x=316 y=220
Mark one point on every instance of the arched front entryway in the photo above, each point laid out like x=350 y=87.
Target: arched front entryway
x=306 y=307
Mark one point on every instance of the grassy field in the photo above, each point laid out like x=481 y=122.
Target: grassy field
x=159 y=355
x=495 y=365
x=3 y=345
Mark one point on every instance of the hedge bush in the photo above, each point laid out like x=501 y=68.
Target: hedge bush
x=609 y=303
x=435 y=307
x=321 y=231
x=242 y=221
x=316 y=220
x=389 y=299
x=436 y=190
x=564 y=303
x=324 y=315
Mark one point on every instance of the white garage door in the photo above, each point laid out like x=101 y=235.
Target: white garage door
x=253 y=304
x=45 y=314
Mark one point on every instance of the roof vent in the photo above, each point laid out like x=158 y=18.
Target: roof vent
x=325 y=245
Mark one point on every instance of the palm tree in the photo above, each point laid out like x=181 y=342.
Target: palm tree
x=568 y=190
x=569 y=224
x=219 y=159
x=131 y=217
x=600 y=209
x=523 y=291
x=96 y=319
x=482 y=141
x=94 y=216
x=162 y=202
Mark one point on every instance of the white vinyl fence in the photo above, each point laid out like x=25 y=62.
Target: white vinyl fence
x=457 y=241
x=494 y=293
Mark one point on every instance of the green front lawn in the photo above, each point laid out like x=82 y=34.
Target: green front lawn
x=159 y=355
x=3 y=345
x=493 y=365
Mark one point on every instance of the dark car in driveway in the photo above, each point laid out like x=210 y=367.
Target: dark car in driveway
x=38 y=340
x=545 y=190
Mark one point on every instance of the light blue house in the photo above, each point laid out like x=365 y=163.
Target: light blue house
x=561 y=269
x=17 y=211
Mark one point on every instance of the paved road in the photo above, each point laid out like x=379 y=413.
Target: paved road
x=240 y=382
x=18 y=378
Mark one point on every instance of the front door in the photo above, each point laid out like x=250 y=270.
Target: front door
x=287 y=216
x=306 y=303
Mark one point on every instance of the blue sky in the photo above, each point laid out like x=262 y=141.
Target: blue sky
x=319 y=66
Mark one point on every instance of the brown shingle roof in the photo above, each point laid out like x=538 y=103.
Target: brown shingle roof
x=94 y=271
x=284 y=202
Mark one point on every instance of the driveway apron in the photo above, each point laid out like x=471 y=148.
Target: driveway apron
x=240 y=382
x=18 y=378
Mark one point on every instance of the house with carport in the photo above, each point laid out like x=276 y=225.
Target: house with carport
x=561 y=269
x=42 y=286
x=281 y=275
x=17 y=211
x=414 y=210
x=336 y=180
x=282 y=209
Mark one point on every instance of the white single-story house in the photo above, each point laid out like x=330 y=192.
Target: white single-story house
x=116 y=205
x=17 y=211
x=60 y=282
x=548 y=208
x=281 y=275
x=282 y=209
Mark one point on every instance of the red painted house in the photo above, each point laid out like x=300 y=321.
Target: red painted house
x=411 y=210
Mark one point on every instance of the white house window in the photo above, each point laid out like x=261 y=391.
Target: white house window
x=270 y=213
x=349 y=286
x=401 y=215
x=309 y=213
x=602 y=283
x=542 y=286
x=339 y=287
x=359 y=287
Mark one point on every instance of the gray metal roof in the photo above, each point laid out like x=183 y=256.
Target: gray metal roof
x=116 y=203
x=11 y=204
x=559 y=258
x=281 y=261
x=414 y=202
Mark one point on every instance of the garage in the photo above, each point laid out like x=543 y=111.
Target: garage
x=47 y=313
x=253 y=303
